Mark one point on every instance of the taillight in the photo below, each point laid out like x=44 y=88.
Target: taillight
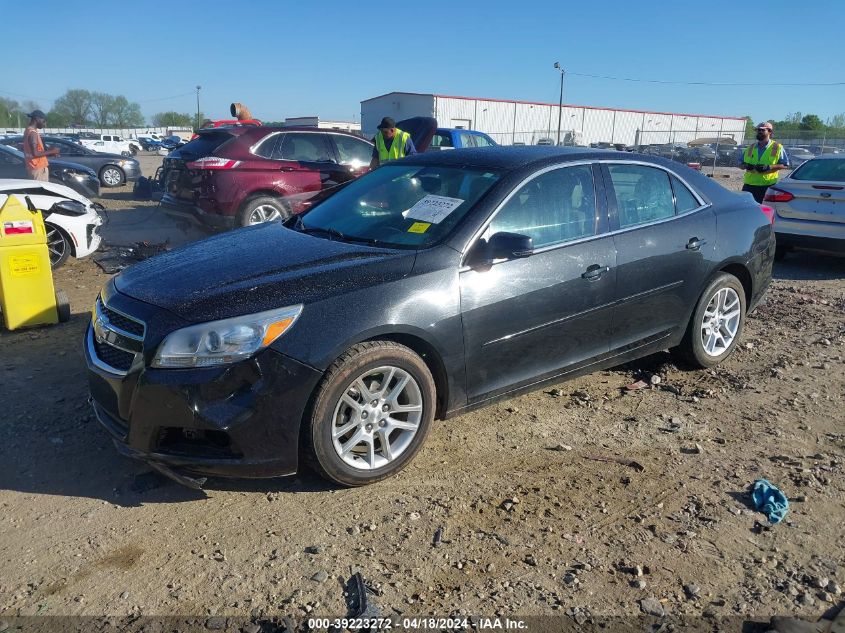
x=769 y=211
x=773 y=194
x=213 y=162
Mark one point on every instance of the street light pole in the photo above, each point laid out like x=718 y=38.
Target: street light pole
x=198 y=106
x=560 y=101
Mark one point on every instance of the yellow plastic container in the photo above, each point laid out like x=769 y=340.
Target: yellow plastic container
x=27 y=296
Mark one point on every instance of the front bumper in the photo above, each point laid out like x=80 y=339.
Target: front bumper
x=242 y=420
x=132 y=172
x=194 y=213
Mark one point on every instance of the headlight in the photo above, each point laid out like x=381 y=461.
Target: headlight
x=124 y=163
x=226 y=341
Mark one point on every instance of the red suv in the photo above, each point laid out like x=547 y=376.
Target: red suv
x=241 y=175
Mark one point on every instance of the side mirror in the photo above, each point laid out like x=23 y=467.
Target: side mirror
x=500 y=246
x=510 y=246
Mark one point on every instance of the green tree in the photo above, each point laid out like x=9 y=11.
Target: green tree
x=126 y=114
x=102 y=108
x=837 y=121
x=174 y=119
x=750 y=130
x=72 y=108
x=811 y=122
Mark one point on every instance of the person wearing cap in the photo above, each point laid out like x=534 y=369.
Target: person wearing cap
x=762 y=161
x=33 y=148
x=391 y=143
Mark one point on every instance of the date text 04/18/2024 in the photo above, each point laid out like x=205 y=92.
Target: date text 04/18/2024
x=417 y=624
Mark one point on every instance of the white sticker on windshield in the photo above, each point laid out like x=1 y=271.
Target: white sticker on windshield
x=433 y=208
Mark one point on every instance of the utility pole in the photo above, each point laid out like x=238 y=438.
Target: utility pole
x=560 y=101
x=198 y=106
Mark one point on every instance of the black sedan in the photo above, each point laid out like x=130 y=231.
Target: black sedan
x=78 y=177
x=428 y=287
x=113 y=170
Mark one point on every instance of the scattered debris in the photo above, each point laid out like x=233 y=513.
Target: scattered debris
x=636 y=386
x=769 y=500
x=560 y=447
x=113 y=259
x=619 y=460
x=652 y=606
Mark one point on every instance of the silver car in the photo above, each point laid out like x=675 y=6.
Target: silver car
x=810 y=206
x=798 y=156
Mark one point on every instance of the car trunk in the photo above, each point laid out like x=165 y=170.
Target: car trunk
x=421 y=129
x=819 y=201
x=182 y=183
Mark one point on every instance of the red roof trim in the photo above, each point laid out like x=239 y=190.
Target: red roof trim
x=566 y=105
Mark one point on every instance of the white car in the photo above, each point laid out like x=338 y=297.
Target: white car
x=108 y=143
x=71 y=219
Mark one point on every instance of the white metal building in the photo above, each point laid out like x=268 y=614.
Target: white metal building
x=528 y=122
x=314 y=121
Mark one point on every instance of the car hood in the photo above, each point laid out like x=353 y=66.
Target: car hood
x=421 y=129
x=66 y=164
x=257 y=268
x=37 y=187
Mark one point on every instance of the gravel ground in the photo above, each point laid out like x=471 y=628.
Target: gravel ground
x=506 y=511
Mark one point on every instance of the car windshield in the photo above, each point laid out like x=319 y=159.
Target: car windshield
x=825 y=169
x=403 y=206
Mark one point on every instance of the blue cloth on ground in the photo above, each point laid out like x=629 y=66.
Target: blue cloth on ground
x=769 y=500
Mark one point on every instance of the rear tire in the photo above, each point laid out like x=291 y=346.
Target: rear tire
x=262 y=209
x=716 y=324
x=370 y=415
x=58 y=245
x=112 y=176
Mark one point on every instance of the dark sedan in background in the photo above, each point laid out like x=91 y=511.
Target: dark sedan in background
x=78 y=177
x=434 y=285
x=113 y=170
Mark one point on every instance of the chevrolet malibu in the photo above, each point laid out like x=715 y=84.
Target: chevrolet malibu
x=432 y=286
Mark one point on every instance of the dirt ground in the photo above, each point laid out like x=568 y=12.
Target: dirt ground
x=504 y=512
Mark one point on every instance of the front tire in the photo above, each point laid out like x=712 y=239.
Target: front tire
x=112 y=176
x=716 y=324
x=370 y=415
x=262 y=209
x=58 y=245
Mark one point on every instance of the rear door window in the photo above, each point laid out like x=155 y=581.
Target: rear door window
x=556 y=207
x=684 y=200
x=304 y=147
x=441 y=140
x=643 y=194
x=352 y=151
x=266 y=148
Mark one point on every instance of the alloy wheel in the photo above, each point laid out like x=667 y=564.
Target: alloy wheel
x=720 y=322
x=112 y=177
x=377 y=418
x=56 y=244
x=264 y=213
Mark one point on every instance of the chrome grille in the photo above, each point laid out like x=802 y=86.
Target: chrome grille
x=125 y=323
x=114 y=339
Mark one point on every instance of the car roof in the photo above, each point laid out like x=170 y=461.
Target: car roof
x=509 y=157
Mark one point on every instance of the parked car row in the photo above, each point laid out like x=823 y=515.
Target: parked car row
x=78 y=177
x=113 y=170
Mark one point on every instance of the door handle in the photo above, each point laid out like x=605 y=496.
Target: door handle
x=594 y=272
x=695 y=244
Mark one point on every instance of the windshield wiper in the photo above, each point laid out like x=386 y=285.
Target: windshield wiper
x=297 y=224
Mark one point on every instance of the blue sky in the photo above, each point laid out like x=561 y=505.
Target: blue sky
x=323 y=58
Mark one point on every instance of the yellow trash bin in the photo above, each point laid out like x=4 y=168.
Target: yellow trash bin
x=27 y=296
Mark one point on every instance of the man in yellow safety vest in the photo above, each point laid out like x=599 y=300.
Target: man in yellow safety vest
x=762 y=161
x=390 y=143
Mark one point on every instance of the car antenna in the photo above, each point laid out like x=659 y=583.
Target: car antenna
x=30 y=205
